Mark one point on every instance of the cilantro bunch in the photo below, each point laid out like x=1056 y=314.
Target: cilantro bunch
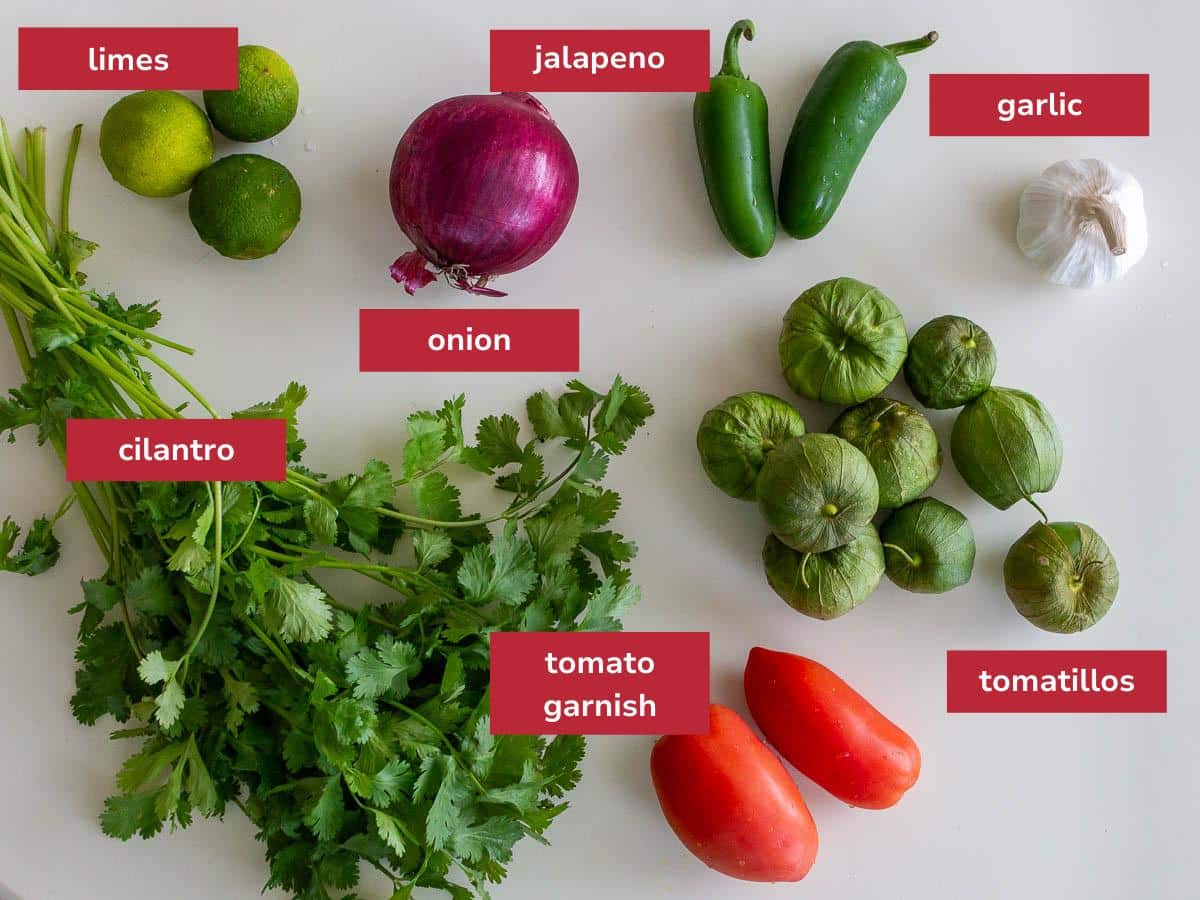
x=349 y=733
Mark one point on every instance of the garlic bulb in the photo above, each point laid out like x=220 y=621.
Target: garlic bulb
x=1083 y=222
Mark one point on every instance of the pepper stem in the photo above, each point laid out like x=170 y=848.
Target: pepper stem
x=730 y=65
x=912 y=46
x=1112 y=222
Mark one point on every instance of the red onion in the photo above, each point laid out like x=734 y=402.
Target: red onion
x=483 y=185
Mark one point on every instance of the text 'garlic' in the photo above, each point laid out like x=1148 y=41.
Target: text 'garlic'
x=1083 y=222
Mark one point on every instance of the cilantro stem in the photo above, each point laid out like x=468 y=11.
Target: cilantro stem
x=35 y=174
x=39 y=270
x=275 y=651
x=387 y=873
x=370 y=570
x=64 y=216
x=18 y=339
x=85 y=310
x=126 y=615
x=134 y=389
x=513 y=512
x=246 y=533
x=431 y=468
x=218 y=525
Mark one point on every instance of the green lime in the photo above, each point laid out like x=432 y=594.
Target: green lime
x=155 y=143
x=245 y=206
x=265 y=101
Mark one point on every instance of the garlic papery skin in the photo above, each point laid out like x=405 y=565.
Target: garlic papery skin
x=1083 y=222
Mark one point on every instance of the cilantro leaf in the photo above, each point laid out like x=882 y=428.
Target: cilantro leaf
x=555 y=535
x=388 y=828
x=189 y=557
x=552 y=420
x=620 y=414
x=496 y=440
x=155 y=669
x=201 y=791
x=51 y=331
x=426 y=442
x=372 y=488
x=610 y=549
x=494 y=837
x=436 y=498
x=128 y=814
x=298 y=610
x=387 y=668
x=243 y=700
x=38 y=553
x=607 y=605
x=433 y=547
x=150 y=594
x=285 y=406
x=500 y=571
x=102 y=683
x=560 y=764
x=327 y=813
x=321 y=520
x=445 y=813
x=592 y=465
x=17 y=413
x=99 y=597
x=70 y=250
x=392 y=782
x=139 y=315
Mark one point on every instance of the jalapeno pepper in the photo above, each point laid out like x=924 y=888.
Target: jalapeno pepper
x=854 y=92
x=735 y=155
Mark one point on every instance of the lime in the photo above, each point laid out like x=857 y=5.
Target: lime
x=245 y=206
x=155 y=143
x=265 y=101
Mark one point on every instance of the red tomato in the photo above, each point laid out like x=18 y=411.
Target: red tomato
x=828 y=731
x=732 y=803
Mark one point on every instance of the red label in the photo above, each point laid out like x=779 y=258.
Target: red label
x=1033 y=105
x=616 y=682
x=1056 y=681
x=176 y=450
x=126 y=59
x=468 y=340
x=600 y=60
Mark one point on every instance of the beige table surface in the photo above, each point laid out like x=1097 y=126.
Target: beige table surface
x=1069 y=807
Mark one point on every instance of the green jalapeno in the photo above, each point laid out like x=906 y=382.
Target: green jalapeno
x=854 y=92
x=735 y=154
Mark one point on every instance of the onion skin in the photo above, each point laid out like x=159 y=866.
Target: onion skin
x=483 y=185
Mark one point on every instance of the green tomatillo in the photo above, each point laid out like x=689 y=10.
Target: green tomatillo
x=898 y=442
x=1061 y=576
x=928 y=546
x=842 y=341
x=817 y=492
x=736 y=435
x=825 y=585
x=951 y=360
x=1006 y=447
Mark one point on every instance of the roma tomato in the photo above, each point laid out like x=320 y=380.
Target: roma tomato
x=732 y=803
x=824 y=728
